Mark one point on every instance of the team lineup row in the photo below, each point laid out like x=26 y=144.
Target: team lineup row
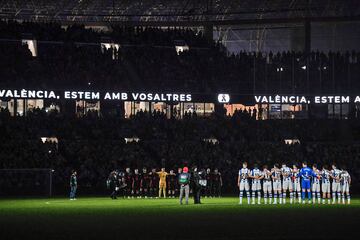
x=277 y=182
x=136 y=184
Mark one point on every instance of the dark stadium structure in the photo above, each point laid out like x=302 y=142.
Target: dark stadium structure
x=132 y=11
x=99 y=86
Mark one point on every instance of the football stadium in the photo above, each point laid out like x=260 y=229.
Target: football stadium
x=179 y=119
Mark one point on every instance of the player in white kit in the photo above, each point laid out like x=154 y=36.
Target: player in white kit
x=345 y=181
x=325 y=184
x=296 y=183
x=256 y=176
x=267 y=185
x=336 y=188
x=315 y=188
x=243 y=183
x=286 y=182
x=276 y=177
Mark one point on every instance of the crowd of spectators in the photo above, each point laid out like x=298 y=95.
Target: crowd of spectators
x=96 y=145
x=147 y=60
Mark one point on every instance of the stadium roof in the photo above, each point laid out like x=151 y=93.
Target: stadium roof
x=168 y=12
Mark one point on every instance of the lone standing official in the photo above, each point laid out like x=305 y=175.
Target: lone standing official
x=196 y=186
x=73 y=185
x=184 y=180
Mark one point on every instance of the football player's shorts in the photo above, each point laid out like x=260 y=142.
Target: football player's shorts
x=277 y=185
x=336 y=187
x=315 y=187
x=256 y=185
x=267 y=187
x=345 y=187
x=305 y=184
x=244 y=185
x=297 y=187
x=287 y=184
x=325 y=187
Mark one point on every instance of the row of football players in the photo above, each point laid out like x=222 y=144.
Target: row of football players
x=134 y=184
x=277 y=182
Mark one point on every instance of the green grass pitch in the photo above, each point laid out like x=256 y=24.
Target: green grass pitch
x=103 y=218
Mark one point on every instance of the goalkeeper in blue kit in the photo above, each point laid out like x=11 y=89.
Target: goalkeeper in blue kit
x=306 y=174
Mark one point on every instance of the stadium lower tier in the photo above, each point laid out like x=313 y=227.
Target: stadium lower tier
x=95 y=146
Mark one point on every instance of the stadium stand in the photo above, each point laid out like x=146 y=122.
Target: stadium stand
x=96 y=145
x=206 y=67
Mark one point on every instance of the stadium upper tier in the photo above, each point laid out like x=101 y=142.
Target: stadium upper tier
x=54 y=31
x=146 y=59
x=171 y=10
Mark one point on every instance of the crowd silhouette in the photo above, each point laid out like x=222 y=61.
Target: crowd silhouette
x=146 y=60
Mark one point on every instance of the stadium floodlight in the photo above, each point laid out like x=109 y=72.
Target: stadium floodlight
x=49 y=139
x=292 y=141
x=30 y=41
x=131 y=139
x=211 y=140
x=180 y=46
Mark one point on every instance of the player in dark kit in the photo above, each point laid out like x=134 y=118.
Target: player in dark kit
x=171 y=182
x=128 y=182
x=113 y=184
x=145 y=183
x=216 y=183
x=136 y=180
x=154 y=184
x=208 y=188
x=177 y=184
